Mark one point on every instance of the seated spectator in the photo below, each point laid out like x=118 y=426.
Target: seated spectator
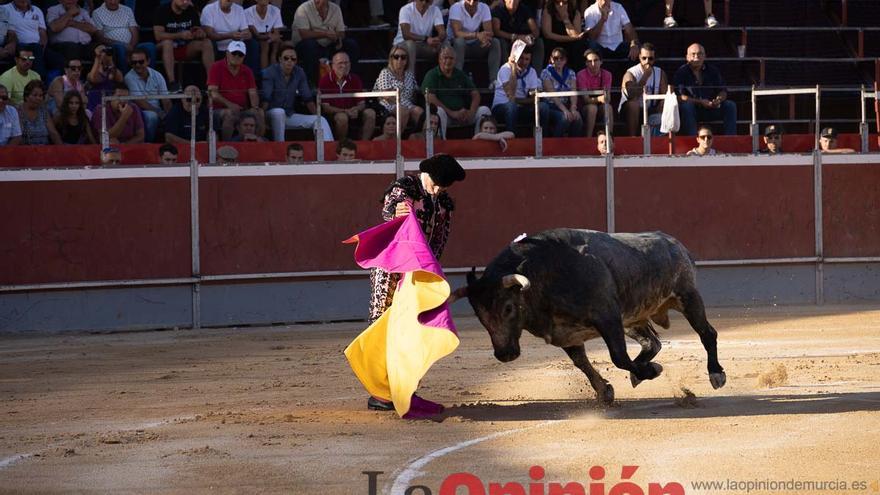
x=71 y=121
x=295 y=153
x=346 y=151
x=168 y=154
x=29 y=25
x=70 y=29
x=227 y=155
x=111 y=156
x=16 y=78
x=103 y=77
x=703 y=97
x=593 y=78
x=318 y=32
x=7 y=37
x=389 y=129
x=396 y=76
x=602 y=143
x=514 y=95
x=264 y=21
x=670 y=22
x=453 y=93
x=224 y=21
x=247 y=128
x=283 y=84
x=642 y=78
x=470 y=28
x=345 y=110
x=562 y=25
x=180 y=36
x=773 y=140
x=704 y=143
x=69 y=81
x=144 y=80
x=10 y=125
x=234 y=89
x=124 y=122
x=557 y=77
x=178 y=122
x=420 y=30
x=511 y=21
x=116 y=27
x=432 y=125
x=489 y=132
x=36 y=125
x=827 y=142
x=607 y=23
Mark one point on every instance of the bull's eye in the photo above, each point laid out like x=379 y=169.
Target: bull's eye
x=507 y=310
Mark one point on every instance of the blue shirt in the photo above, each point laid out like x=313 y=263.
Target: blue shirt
x=279 y=92
x=685 y=82
x=155 y=84
x=10 y=126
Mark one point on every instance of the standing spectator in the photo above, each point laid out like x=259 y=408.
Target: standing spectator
x=71 y=121
x=345 y=110
x=7 y=36
x=489 y=132
x=10 y=125
x=319 y=31
x=178 y=122
x=224 y=21
x=703 y=95
x=642 y=77
x=670 y=22
x=264 y=21
x=168 y=154
x=144 y=80
x=513 y=21
x=70 y=29
x=283 y=84
x=470 y=27
x=346 y=151
x=607 y=23
x=704 y=143
x=562 y=26
x=773 y=140
x=247 y=128
x=396 y=76
x=389 y=129
x=16 y=78
x=103 y=76
x=234 y=89
x=180 y=36
x=29 y=25
x=69 y=81
x=557 y=77
x=295 y=153
x=420 y=30
x=593 y=78
x=602 y=143
x=117 y=28
x=827 y=142
x=514 y=95
x=111 y=156
x=453 y=93
x=124 y=121
x=36 y=125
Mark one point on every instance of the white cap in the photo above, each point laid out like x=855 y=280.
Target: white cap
x=236 y=46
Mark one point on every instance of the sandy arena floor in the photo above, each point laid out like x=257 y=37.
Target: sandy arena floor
x=277 y=410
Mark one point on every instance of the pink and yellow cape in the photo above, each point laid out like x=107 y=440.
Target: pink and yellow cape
x=392 y=355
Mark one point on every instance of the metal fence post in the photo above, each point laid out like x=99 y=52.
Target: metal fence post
x=539 y=132
x=398 y=157
x=319 y=131
x=429 y=133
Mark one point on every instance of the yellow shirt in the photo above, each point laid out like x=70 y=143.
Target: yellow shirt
x=15 y=83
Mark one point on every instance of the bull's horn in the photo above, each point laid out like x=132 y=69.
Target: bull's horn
x=457 y=294
x=516 y=279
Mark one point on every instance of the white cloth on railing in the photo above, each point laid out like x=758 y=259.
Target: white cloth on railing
x=669 y=121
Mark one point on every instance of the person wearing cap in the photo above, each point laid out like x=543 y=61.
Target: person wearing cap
x=224 y=21
x=234 y=89
x=773 y=140
x=828 y=142
x=425 y=194
x=111 y=156
x=227 y=155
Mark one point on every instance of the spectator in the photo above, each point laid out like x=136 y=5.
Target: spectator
x=557 y=77
x=602 y=143
x=295 y=153
x=607 y=23
x=389 y=129
x=180 y=36
x=7 y=36
x=224 y=21
x=69 y=81
x=29 y=25
x=377 y=10
x=234 y=89
x=36 y=125
x=103 y=76
x=10 y=125
x=513 y=21
x=593 y=78
x=827 y=142
x=124 y=122
x=178 y=122
x=247 y=128
x=704 y=143
x=71 y=29
x=562 y=25
x=227 y=155
x=117 y=28
x=773 y=140
x=642 y=78
x=144 y=80
x=420 y=30
x=432 y=125
x=489 y=132
x=470 y=27
x=669 y=20
x=514 y=95
x=283 y=84
x=345 y=110
x=703 y=96
x=111 y=156
x=168 y=154
x=264 y=21
x=396 y=77
x=71 y=121
x=448 y=89
x=346 y=151
x=16 y=78
x=319 y=31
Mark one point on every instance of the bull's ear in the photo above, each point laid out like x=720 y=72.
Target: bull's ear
x=457 y=294
x=472 y=275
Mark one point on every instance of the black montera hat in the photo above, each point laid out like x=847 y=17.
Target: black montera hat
x=443 y=169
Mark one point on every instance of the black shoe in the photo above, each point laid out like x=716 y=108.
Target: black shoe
x=375 y=404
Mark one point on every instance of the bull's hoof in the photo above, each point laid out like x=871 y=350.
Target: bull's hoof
x=649 y=371
x=717 y=379
x=606 y=396
x=634 y=379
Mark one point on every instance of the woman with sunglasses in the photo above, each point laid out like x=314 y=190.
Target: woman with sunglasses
x=557 y=77
x=36 y=126
x=69 y=81
x=704 y=143
x=396 y=76
x=71 y=121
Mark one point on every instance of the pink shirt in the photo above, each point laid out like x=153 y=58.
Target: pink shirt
x=588 y=81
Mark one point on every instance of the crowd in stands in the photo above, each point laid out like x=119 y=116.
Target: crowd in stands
x=262 y=75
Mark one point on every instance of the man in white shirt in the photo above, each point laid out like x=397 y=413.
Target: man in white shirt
x=418 y=22
x=70 y=29
x=318 y=32
x=606 y=23
x=470 y=28
x=30 y=29
x=117 y=27
x=514 y=99
x=224 y=21
x=264 y=21
x=643 y=77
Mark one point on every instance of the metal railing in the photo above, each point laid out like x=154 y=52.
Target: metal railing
x=863 y=124
x=538 y=95
x=754 y=131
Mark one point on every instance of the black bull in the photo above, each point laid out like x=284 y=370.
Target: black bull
x=567 y=286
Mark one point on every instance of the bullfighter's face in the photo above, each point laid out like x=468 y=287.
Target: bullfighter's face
x=499 y=311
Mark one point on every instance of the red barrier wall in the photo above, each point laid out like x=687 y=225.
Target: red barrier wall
x=851 y=200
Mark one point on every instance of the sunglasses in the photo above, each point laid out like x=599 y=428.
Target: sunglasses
x=237 y=54
x=773 y=137
x=138 y=62
x=649 y=59
x=705 y=136
x=557 y=58
x=593 y=60
x=29 y=59
x=289 y=59
x=75 y=67
x=400 y=56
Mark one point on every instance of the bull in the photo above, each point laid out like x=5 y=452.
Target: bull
x=568 y=286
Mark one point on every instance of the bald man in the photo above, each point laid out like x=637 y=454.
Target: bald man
x=702 y=94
